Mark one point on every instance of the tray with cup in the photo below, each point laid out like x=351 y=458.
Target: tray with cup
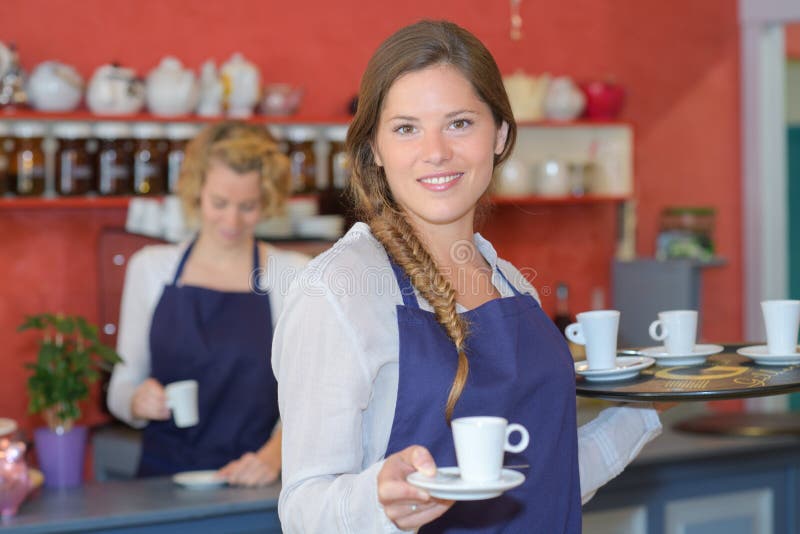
x=480 y=444
x=597 y=330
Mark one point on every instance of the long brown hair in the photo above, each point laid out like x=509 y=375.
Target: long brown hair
x=413 y=48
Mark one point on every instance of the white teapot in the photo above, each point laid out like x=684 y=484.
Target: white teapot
x=242 y=82
x=564 y=100
x=115 y=90
x=526 y=94
x=171 y=90
x=54 y=86
x=211 y=91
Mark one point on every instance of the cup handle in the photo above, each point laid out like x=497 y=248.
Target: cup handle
x=574 y=333
x=653 y=330
x=523 y=440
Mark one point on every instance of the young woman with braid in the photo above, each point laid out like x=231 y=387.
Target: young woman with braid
x=411 y=320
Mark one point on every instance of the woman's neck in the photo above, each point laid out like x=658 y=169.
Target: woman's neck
x=207 y=248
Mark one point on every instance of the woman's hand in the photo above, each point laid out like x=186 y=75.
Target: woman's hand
x=408 y=507
x=150 y=401
x=252 y=469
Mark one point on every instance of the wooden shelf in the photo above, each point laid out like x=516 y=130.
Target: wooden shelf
x=84 y=115
x=536 y=200
x=64 y=202
x=578 y=123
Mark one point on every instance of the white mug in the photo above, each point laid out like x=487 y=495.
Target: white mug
x=480 y=443
x=677 y=329
x=598 y=331
x=182 y=400
x=781 y=317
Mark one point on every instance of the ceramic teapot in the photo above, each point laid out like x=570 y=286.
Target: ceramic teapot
x=54 y=86
x=211 y=91
x=564 y=101
x=115 y=90
x=14 y=481
x=5 y=59
x=171 y=90
x=526 y=94
x=241 y=81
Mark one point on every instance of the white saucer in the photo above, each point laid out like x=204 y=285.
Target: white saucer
x=198 y=479
x=699 y=355
x=627 y=367
x=7 y=426
x=447 y=484
x=761 y=355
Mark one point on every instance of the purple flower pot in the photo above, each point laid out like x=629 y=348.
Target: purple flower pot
x=61 y=456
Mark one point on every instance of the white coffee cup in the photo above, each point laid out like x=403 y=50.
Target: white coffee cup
x=677 y=329
x=781 y=318
x=480 y=443
x=598 y=331
x=182 y=400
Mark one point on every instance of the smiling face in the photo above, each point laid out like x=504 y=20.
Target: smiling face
x=436 y=141
x=230 y=205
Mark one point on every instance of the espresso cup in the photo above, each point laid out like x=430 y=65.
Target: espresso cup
x=182 y=401
x=598 y=331
x=677 y=329
x=480 y=445
x=781 y=318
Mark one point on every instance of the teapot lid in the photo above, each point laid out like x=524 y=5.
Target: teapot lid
x=7 y=426
x=181 y=130
x=28 y=129
x=72 y=130
x=337 y=134
x=148 y=130
x=112 y=130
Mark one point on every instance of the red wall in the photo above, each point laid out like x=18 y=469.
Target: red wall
x=678 y=59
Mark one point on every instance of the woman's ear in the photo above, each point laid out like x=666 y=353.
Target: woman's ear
x=500 y=138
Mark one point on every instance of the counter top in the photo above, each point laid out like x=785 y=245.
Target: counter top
x=154 y=504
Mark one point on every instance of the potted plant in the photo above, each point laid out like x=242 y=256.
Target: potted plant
x=70 y=354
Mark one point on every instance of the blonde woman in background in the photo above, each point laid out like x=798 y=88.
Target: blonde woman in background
x=411 y=320
x=204 y=310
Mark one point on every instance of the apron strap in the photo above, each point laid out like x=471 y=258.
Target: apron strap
x=406 y=289
x=256 y=259
x=514 y=289
x=183 y=262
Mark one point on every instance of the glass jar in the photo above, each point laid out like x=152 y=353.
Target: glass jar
x=178 y=135
x=5 y=139
x=302 y=158
x=114 y=163
x=149 y=159
x=74 y=169
x=28 y=161
x=686 y=232
x=333 y=199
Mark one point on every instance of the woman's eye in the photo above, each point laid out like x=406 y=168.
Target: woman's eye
x=218 y=204
x=404 y=129
x=248 y=207
x=460 y=124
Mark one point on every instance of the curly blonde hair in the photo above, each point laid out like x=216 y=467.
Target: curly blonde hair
x=243 y=148
x=413 y=48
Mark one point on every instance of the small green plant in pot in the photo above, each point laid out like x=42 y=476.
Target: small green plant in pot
x=70 y=356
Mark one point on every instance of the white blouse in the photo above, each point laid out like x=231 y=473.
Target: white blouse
x=149 y=271
x=335 y=355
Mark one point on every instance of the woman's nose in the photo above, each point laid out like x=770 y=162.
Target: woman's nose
x=436 y=148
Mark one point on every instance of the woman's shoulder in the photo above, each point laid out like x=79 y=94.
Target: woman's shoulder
x=357 y=253
x=283 y=258
x=157 y=260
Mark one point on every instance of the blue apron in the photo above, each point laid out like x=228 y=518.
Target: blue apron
x=224 y=341
x=520 y=369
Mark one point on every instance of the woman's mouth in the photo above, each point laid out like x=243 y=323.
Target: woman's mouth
x=441 y=181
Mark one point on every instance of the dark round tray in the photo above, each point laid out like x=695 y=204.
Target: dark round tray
x=726 y=375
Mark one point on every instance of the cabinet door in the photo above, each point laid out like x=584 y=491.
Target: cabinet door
x=743 y=512
x=115 y=248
